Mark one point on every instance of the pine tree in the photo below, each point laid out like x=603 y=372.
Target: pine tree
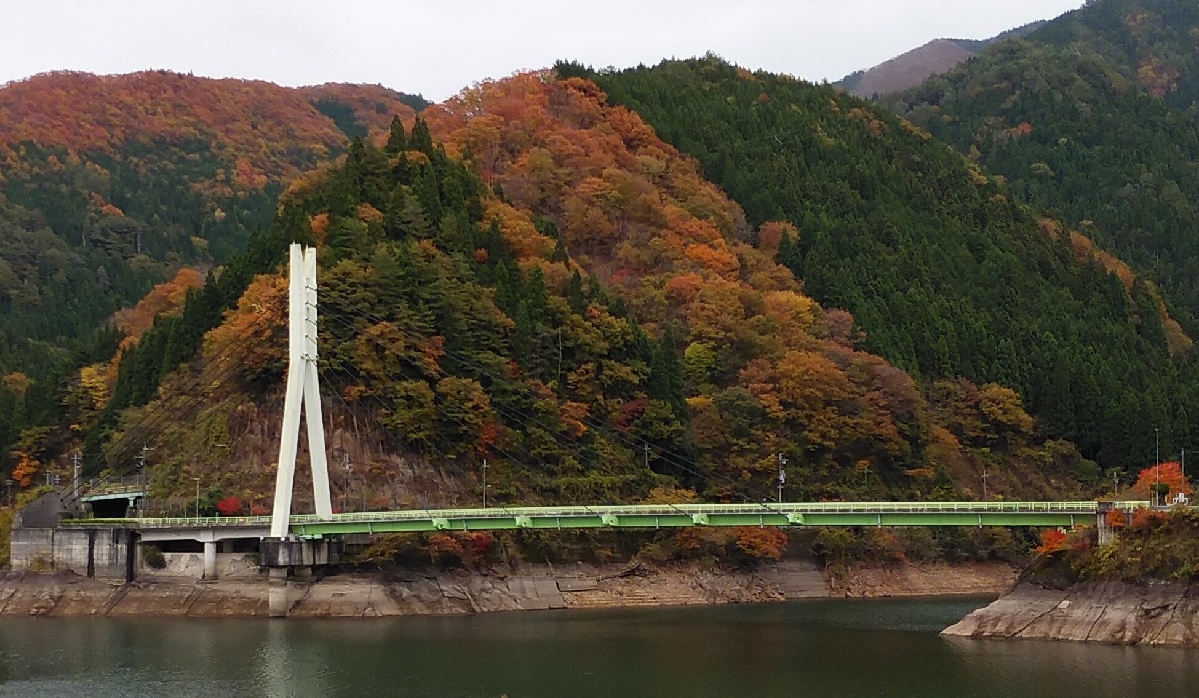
x=575 y=295
x=421 y=139
x=666 y=376
x=397 y=140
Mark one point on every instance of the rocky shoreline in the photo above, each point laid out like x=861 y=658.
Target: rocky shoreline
x=1153 y=613
x=533 y=587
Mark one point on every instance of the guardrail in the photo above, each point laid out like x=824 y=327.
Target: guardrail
x=1080 y=507
x=106 y=486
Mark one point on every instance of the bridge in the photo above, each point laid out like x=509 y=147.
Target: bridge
x=637 y=516
x=289 y=543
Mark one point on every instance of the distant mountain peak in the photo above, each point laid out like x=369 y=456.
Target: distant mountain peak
x=913 y=67
x=910 y=68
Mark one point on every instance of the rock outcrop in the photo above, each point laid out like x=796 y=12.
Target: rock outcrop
x=1154 y=613
x=531 y=587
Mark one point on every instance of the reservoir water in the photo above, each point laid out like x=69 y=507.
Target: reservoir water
x=815 y=648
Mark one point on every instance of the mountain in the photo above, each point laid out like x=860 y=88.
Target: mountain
x=110 y=184
x=1091 y=119
x=912 y=67
x=536 y=280
x=1152 y=42
x=907 y=69
x=945 y=270
x=1076 y=137
x=188 y=166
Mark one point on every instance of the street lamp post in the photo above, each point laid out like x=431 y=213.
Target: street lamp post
x=782 y=475
x=1157 y=467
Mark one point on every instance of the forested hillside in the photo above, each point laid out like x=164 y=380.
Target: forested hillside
x=1151 y=41
x=109 y=184
x=910 y=68
x=575 y=305
x=945 y=271
x=1078 y=137
x=1092 y=120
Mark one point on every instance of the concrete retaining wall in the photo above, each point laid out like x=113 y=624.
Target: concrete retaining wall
x=191 y=565
x=299 y=553
x=100 y=553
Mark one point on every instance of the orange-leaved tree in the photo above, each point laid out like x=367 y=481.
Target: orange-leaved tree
x=1168 y=474
x=761 y=543
x=1052 y=540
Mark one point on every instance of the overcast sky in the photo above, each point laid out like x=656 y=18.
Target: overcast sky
x=438 y=47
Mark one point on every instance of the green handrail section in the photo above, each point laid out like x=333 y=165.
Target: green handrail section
x=1036 y=514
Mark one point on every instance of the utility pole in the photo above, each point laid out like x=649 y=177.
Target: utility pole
x=984 y=483
x=141 y=466
x=76 y=472
x=1115 y=483
x=647 y=455
x=345 y=489
x=484 y=483
x=197 y=496
x=782 y=475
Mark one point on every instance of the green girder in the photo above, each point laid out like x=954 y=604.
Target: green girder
x=1036 y=514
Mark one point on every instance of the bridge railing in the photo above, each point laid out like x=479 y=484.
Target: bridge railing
x=1080 y=507
x=121 y=485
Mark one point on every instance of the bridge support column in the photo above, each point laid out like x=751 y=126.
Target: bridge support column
x=210 y=560
x=278 y=603
x=296 y=558
x=1103 y=525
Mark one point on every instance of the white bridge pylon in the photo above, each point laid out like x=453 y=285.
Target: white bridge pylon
x=303 y=395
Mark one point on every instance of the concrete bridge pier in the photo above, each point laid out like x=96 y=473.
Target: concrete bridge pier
x=1102 y=525
x=278 y=601
x=292 y=557
x=210 y=559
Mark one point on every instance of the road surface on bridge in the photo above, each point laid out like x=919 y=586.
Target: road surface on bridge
x=1036 y=514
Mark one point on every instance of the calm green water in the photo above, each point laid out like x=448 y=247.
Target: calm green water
x=817 y=648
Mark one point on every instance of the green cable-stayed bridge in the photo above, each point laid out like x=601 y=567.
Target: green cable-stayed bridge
x=288 y=543
x=650 y=516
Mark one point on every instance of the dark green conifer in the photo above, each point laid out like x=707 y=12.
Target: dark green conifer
x=397 y=140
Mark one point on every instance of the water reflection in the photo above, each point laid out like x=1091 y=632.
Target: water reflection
x=825 y=648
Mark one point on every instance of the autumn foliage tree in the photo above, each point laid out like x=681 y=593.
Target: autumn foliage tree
x=1166 y=475
x=229 y=506
x=1052 y=540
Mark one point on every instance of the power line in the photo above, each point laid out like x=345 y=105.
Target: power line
x=169 y=408
x=665 y=454
x=635 y=444
x=508 y=413
x=162 y=409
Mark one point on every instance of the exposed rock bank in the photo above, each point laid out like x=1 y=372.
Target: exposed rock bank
x=1155 y=613
x=456 y=592
x=928 y=579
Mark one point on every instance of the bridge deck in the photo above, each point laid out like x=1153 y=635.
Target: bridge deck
x=1037 y=514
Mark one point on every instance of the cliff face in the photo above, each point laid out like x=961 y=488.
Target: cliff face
x=1155 y=613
